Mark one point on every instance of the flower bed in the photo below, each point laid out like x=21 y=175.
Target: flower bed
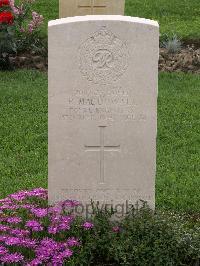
x=33 y=233
x=19 y=29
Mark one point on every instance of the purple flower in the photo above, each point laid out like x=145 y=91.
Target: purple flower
x=19 y=232
x=3 y=238
x=28 y=243
x=19 y=196
x=14 y=220
x=88 y=225
x=53 y=230
x=48 y=242
x=72 y=242
x=4 y=228
x=34 y=225
x=6 y=200
x=3 y=250
x=27 y=206
x=57 y=260
x=9 y=207
x=34 y=262
x=67 y=253
x=38 y=192
x=11 y=241
x=39 y=212
x=11 y=258
x=46 y=249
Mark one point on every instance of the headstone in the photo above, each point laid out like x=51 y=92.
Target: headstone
x=70 y=8
x=102 y=109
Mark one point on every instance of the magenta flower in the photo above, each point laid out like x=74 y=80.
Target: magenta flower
x=39 y=212
x=88 y=225
x=46 y=249
x=34 y=225
x=19 y=196
x=3 y=250
x=12 y=258
x=6 y=200
x=28 y=243
x=11 y=241
x=38 y=193
x=19 y=232
x=3 y=238
x=53 y=230
x=67 y=253
x=4 y=228
x=72 y=242
x=34 y=262
x=14 y=220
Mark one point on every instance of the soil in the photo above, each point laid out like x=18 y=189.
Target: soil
x=186 y=60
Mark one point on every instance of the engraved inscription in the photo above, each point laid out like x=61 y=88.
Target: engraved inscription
x=103 y=57
x=116 y=104
x=102 y=148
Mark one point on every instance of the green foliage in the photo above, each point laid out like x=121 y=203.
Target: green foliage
x=144 y=238
x=172 y=44
x=7 y=45
x=180 y=17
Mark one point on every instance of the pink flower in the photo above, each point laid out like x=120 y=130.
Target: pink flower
x=34 y=262
x=88 y=225
x=72 y=242
x=34 y=225
x=14 y=220
x=37 y=20
x=4 y=228
x=53 y=230
x=67 y=253
x=11 y=241
x=3 y=250
x=19 y=232
x=39 y=212
x=12 y=258
x=19 y=196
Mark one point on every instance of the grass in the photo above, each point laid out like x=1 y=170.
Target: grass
x=23 y=137
x=181 y=17
x=23 y=131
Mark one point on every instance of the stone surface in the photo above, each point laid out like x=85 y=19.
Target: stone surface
x=70 y=8
x=102 y=109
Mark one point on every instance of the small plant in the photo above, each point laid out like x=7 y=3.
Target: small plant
x=33 y=233
x=172 y=44
x=18 y=29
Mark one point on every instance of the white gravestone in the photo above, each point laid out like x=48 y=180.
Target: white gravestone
x=103 y=109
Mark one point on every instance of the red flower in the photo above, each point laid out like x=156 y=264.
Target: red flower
x=4 y=3
x=6 y=17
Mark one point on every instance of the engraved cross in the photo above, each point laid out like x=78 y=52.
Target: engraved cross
x=92 y=5
x=102 y=148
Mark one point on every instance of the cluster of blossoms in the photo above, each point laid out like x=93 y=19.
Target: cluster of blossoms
x=10 y=14
x=6 y=16
x=33 y=233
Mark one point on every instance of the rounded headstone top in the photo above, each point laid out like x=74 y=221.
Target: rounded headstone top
x=103 y=18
